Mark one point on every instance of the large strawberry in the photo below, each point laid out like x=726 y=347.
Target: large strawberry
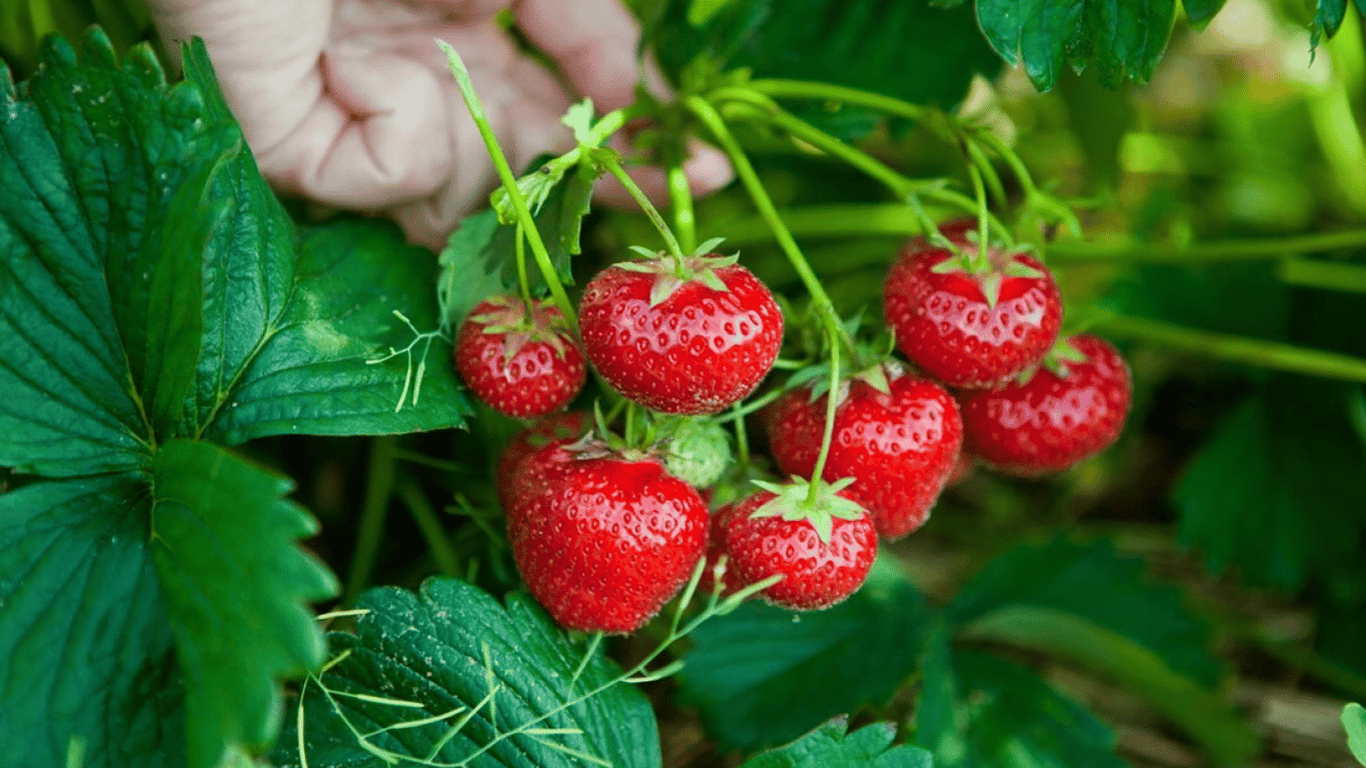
x=970 y=320
x=822 y=547
x=896 y=434
x=522 y=364
x=690 y=337
x=603 y=538
x=1071 y=408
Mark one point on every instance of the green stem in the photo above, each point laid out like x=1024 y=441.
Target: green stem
x=410 y=493
x=979 y=160
x=706 y=113
x=1230 y=250
x=1238 y=349
x=800 y=89
x=681 y=204
x=831 y=405
x=980 y=259
x=741 y=437
x=613 y=167
x=509 y=180
x=522 y=282
x=766 y=110
x=1327 y=275
x=375 y=509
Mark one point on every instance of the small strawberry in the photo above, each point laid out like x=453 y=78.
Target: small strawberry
x=690 y=340
x=697 y=451
x=895 y=433
x=603 y=538
x=968 y=320
x=823 y=549
x=1071 y=408
x=522 y=365
x=563 y=428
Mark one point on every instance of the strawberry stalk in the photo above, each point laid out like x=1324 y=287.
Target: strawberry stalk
x=609 y=162
x=680 y=202
x=522 y=282
x=900 y=185
x=741 y=437
x=1239 y=349
x=509 y=181
x=980 y=262
x=707 y=114
x=831 y=404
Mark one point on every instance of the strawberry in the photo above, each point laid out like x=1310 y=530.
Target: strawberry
x=823 y=550
x=523 y=365
x=967 y=320
x=691 y=340
x=1071 y=408
x=603 y=538
x=563 y=428
x=895 y=433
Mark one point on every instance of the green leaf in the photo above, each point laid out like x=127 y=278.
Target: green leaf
x=1092 y=582
x=1201 y=12
x=1354 y=723
x=505 y=676
x=1279 y=492
x=79 y=229
x=1118 y=38
x=903 y=48
x=763 y=676
x=313 y=376
x=235 y=584
x=1012 y=718
x=85 y=650
x=829 y=747
x=1208 y=719
x=480 y=258
x=1328 y=17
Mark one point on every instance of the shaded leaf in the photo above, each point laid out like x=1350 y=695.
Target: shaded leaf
x=1014 y=718
x=830 y=747
x=235 y=584
x=762 y=676
x=312 y=376
x=453 y=650
x=1279 y=492
x=85 y=650
x=903 y=48
x=480 y=258
x=1093 y=582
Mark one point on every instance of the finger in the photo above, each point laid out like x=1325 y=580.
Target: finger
x=593 y=42
x=706 y=168
x=265 y=53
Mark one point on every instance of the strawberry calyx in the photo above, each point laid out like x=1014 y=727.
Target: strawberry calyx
x=990 y=273
x=794 y=501
x=870 y=362
x=519 y=327
x=672 y=271
x=1056 y=360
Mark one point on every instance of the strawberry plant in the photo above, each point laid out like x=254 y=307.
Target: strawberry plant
x=982 y=420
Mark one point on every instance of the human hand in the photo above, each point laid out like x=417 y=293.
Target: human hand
x=351 y=104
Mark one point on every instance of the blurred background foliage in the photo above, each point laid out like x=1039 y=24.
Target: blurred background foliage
x=1246 y=487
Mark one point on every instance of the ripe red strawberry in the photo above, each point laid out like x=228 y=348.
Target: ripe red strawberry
x=689 y=345
x=715 y=549
x=822 y=551
x=968 y=321
x=1071 y=408
x=899 y=445
x=603 y=539
x=523 y=366
x=563 y=428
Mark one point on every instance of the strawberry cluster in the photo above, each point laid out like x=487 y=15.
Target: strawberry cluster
x=605 y=532
x=1031 y=403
